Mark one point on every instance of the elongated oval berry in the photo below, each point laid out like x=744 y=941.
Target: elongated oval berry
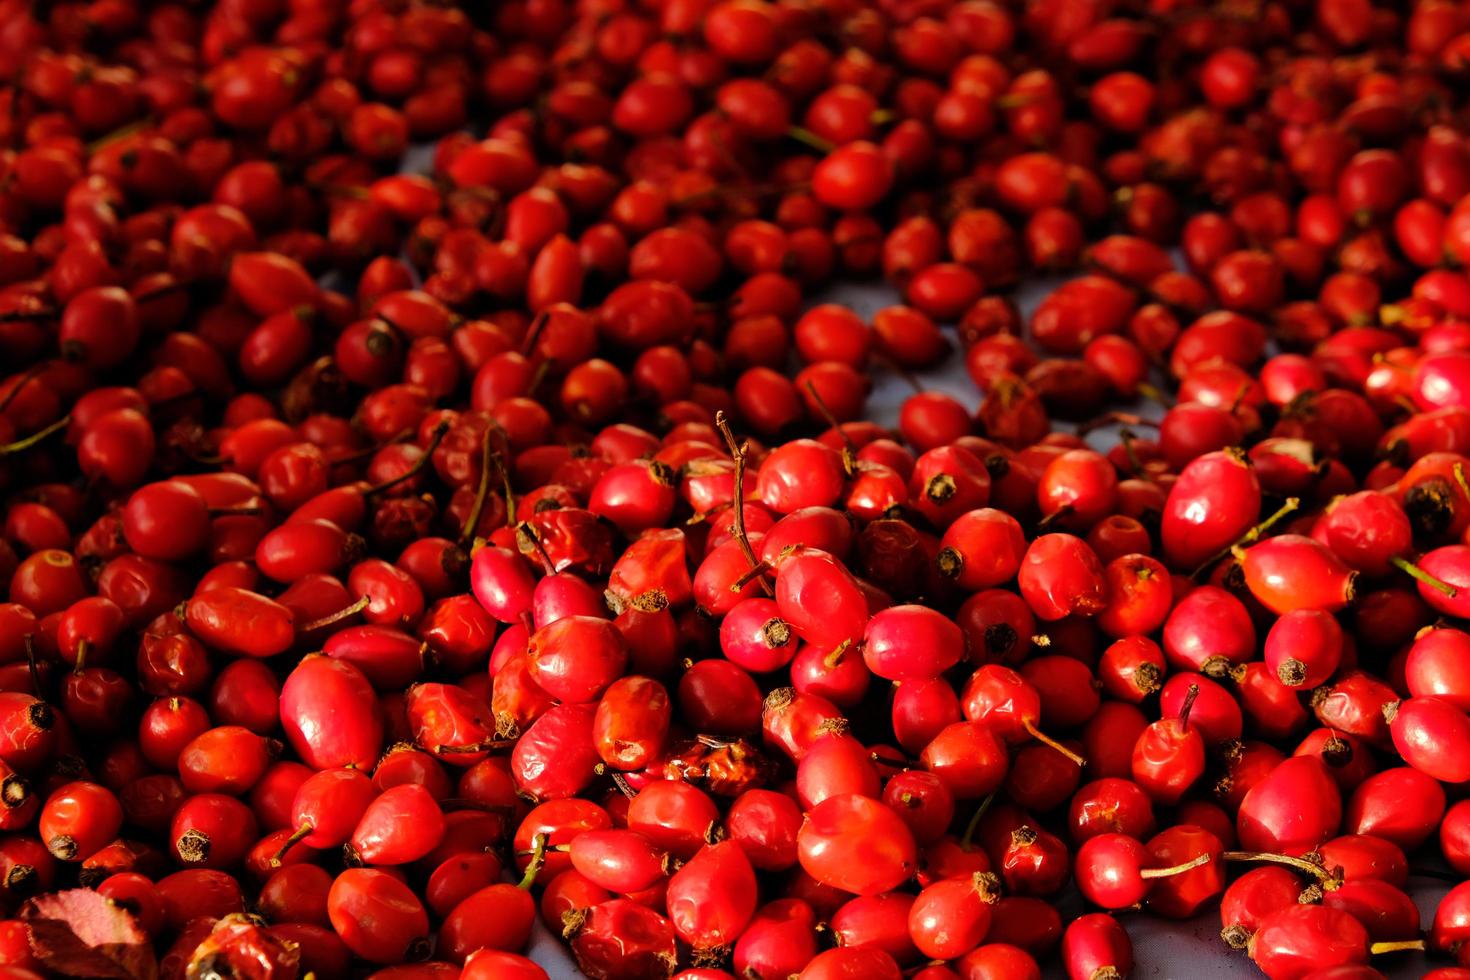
x=754 y=636
x=1296 y=807
x=403 y=824
x=378 y=916
x=654 y=570
x=712 y=897
x=1291 y=572
x=1368 y=530
x=328 y=806
x=496 y=964
x=1096 y=945
x=1433 y=736
x=331 y=714
x=619 y=860
x=576 y=658
x=28 y=730
x=556 y=757
x=981 y=549
x=632 y=724
x=951 y=917
x=801 y=473
x=1206 y=626
x=503 y=583
x=856 y=844
x=1438 y=665
x=1213 y=503
x=168 y=521
x=1451 y=566
x=238 y=621
x=449 y=722
x=498 y=916
x=227 y=759
x=820 y=599
x=911 y=642
x=780 y=940
x=268 y=282
x=79 y=819
x=968 y=758
x=389 y=658
x=1252 y=897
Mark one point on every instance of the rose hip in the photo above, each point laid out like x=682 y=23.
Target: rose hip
x=373 y=489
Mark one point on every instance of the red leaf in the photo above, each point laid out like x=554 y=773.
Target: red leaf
x=79 y=933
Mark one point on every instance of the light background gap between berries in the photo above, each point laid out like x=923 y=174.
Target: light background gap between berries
x=1162 y=948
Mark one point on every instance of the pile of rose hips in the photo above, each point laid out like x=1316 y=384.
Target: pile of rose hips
x=548 y=541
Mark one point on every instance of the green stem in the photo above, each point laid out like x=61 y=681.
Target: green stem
x=21 y=445
x=803 y=135
x=974 y=823
x=1415 y=572
x=538 y=860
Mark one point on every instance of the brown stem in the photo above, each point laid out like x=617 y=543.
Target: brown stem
x=487 y=746
x=472 y=519
x=709 y=741
x=297 y=836
x=1126 y=437
x=737 y=454
x=538 y=375
x=237 y=510
x=529 y=533
x=337 y=616
x=510 y=494
x=1177 y=869
x=757 y=571
x=891 y=757
x=1300 y=864
x=35 y=672
x=533 y=332
x=1188 y=705
x=849 y=450
x=1240 y=394
x=418 y=464
x=1050 y=742
x=1061 y=513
